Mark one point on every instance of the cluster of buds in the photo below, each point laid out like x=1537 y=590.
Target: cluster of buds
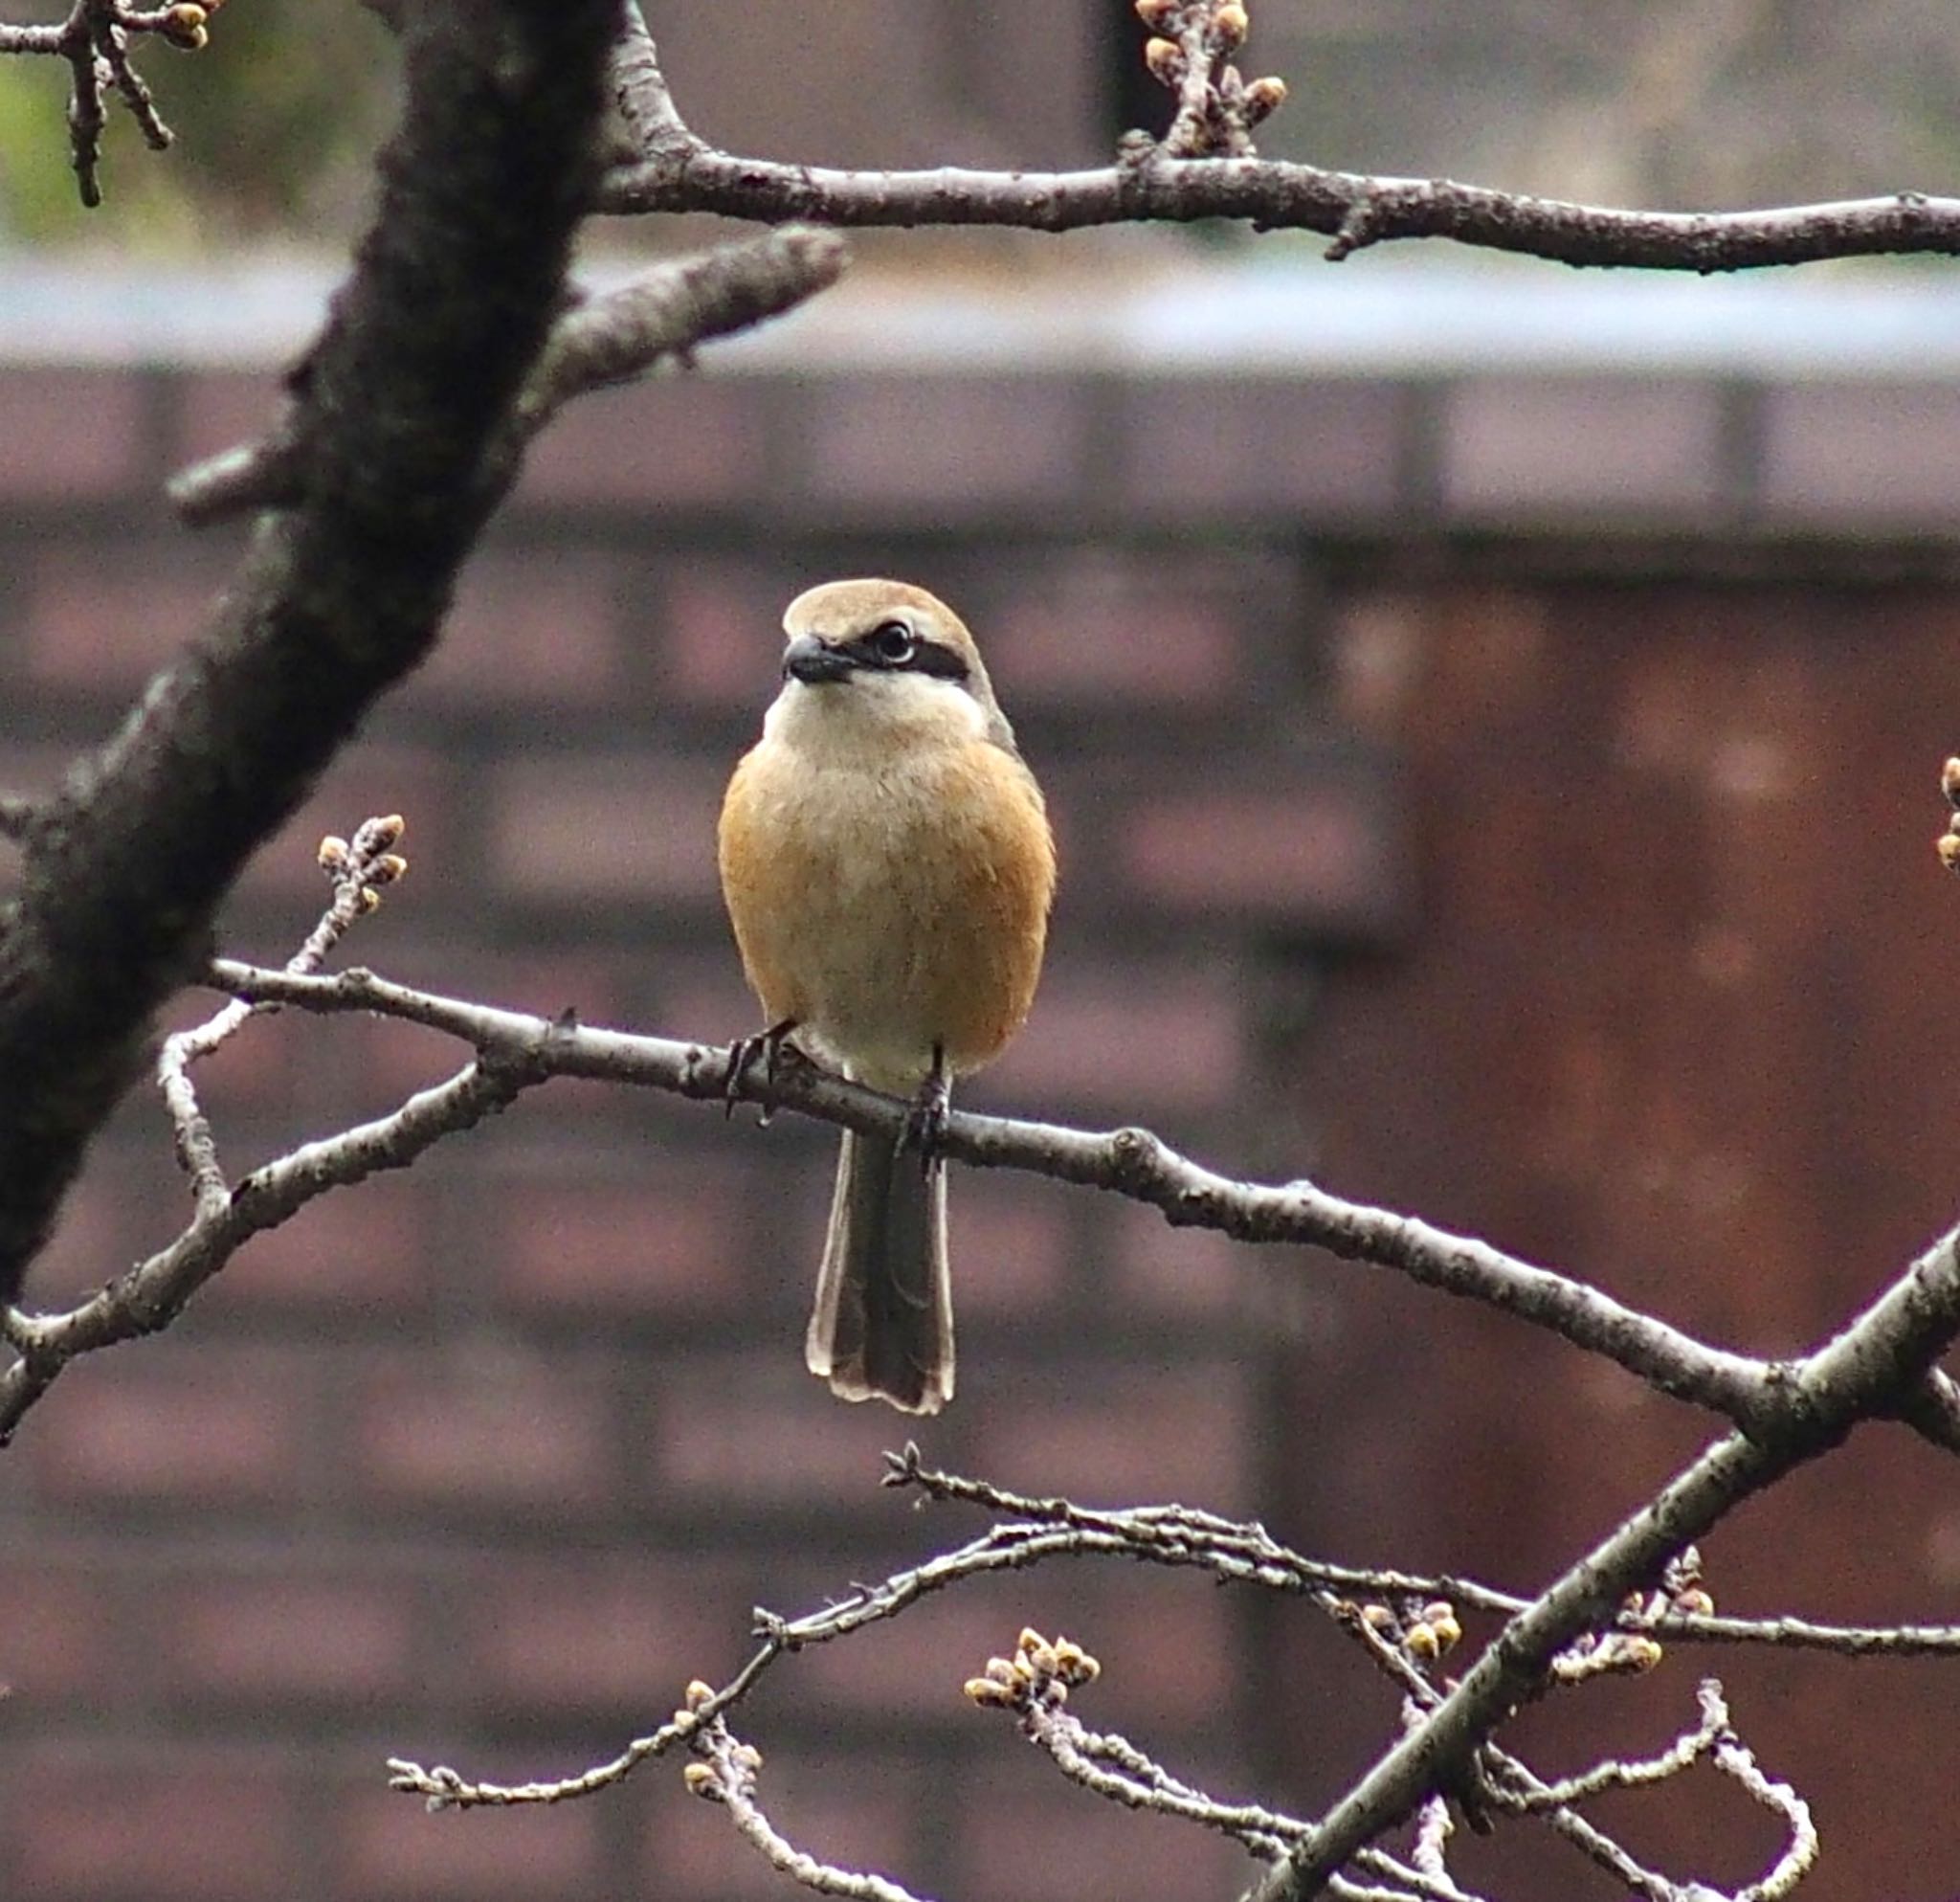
x=183 y=25
x=367 y=863
x=722 y=1766
x=1606 y=1654
x=1947 y=844
x=1426 y=1632
x=1681 y=1594
x=1039 y=1675
x=1205 y=35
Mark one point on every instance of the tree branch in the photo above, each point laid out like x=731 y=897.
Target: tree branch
x=608 y=339
x=1127 y=1162
x=407 y=396
x=683 y=172
x=1886 y=1350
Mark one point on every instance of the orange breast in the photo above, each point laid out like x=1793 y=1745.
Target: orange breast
x=888 y=911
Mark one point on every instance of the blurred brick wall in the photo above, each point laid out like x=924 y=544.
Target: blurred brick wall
x=482 y=1463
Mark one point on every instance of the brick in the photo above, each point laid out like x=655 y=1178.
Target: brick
x=1312 y=853
x=1128 y=1435
x=90 y=625
x=919 y=449
x=364 y=1250
x=389 y=1845
x=635 y=830
x=720 y=633
x=686 y=441
x=670 y=1243
x=593 y=1639
x=763 y=1430
x=162 y=1429
x=1124 y=1039
x=280 y=1641
x=214 y=1826
x=1245 y=448
x=535 y=626
x=489 y=1431
x=1543 y=448
x=219 y=410
x=57 y=1640
x=1168 y=1649
x=71 y=435
x=1860 y=454
x=1011 y=1244
x=1093 y=630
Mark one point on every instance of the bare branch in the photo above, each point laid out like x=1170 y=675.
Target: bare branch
x=1247 y=1553
x=1886 y=1350
x=1736 y=1762
x=358 y=871
x=95 y=41
x=608 y=339
x=154 y=1292
x=725 y=1772
x=683 y=172
x=1128 y=1162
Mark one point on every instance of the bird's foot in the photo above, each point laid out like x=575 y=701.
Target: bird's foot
x=768 y=1044
x=924 y=1125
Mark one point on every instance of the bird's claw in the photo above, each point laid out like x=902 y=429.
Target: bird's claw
x=924 y=1125
x=768 y=1044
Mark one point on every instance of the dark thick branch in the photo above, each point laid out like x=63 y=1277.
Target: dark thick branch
x=407 y=396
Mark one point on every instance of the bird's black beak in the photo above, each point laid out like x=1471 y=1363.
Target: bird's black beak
x=814 y=660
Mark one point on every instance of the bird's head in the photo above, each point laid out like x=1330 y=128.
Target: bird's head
x=881 y=661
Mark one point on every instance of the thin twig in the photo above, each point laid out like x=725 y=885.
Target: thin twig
x=359 y=871
x=725 y=1772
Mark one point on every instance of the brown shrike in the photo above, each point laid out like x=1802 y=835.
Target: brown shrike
x=888 y=869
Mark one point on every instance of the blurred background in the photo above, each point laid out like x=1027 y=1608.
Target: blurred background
x=1493 y=719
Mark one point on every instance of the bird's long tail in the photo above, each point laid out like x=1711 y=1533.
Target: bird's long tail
x=884 y=1321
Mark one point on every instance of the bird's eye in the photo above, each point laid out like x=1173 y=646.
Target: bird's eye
x=894 y=643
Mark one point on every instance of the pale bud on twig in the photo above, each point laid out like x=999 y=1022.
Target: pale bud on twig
x=1264 y=98
x=182 y=26
x=1230 y=27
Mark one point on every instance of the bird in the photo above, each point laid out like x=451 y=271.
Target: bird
x=888 y=868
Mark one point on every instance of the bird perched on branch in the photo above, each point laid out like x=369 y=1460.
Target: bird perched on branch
x=888 y=869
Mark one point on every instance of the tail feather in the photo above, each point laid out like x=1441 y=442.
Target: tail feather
x=883 y=1323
